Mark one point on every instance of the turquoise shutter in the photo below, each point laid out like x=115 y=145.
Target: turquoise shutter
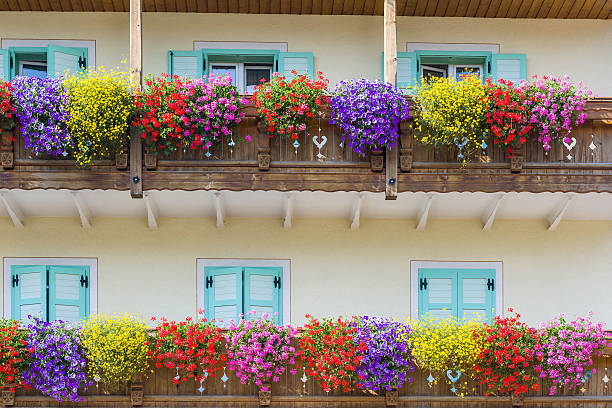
x=263 y=293
x=511 y=67
x=223 y=286
x=5 y=65
x=302 y=62
x=407 y=70
x=477 y=294
x=437 y=292
x=28 y=292
x=62 y=59
x=189 y=64
x=68 y=293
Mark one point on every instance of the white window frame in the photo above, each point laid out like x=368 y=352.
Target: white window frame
x=419 y=46
x=89 y=44
x=202 y=263
x=93 y=277
x=268 y=67
x=240 y=45
x=414 y=280
x=434 y=69
x=21 y=64
x=452 y=68
x=240 y=72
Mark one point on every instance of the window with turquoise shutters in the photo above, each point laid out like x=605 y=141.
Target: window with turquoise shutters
x=189 y=64
x=65 y=60
x=28 y=292
x=302 y=62
x=511 y=67
x=464 y=293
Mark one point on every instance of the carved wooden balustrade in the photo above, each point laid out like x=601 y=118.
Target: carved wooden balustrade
x=320 y=160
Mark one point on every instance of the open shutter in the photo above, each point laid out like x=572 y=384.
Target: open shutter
x=28 y=292
x=65 y=61
x=189 y=64
x=477 y=294
x=511 y=67
x=68 y=293
x=437 y=292
x=5 y=65
x=223 y=286
x=407 y=70
x=263 y=293
x=302 y=62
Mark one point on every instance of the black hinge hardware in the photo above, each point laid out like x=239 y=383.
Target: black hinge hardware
x=423 y=283
x=82 y=62
x=209 y=282
x=15 y=280
x=489 y=67
x=418 y=66
x=491 y=284
x=84 y=281
x=277 y=282
x=11 y=61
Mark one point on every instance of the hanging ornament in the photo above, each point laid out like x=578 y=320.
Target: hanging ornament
x=592 y=146
x=177 y=377
x=97 y=380
x=460 y=146
x=296 y=145
x=204 y=376
x=484 y=145
x=453 y=379
x=304 y=380
x=231 y=144
x=430 y=379
x=319 y=145
x=224 y=378
x=569 y=146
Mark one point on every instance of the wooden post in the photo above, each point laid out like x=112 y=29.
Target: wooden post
x=135 y=164
x=390 y=47
x=136 y=78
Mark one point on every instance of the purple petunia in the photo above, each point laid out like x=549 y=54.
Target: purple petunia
x=42 y=109
x=369 y=113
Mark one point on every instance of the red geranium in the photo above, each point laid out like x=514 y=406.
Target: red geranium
x=194 y=347
x=285 y=106
x=507 y=118
x=510 y=357
x=7 y=108
x=330 y=354
x=13 y=354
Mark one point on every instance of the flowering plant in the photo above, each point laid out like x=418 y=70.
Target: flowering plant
x=285 y=106
x=452 y=113
x=42 y=110
x=7 y=107
x=196 y=347
x=509 y=357
x=386 y=358
x=13 y=354
x=57 y=365
x=369 y=113
x=568 y=350
x=555 y=105
x=445 y=347
x=507 y=116
x=331 y=354
x=116 y=348
x=99 y=106
x=260 y=351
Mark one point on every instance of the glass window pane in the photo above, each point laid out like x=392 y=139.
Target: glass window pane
x=34 y=70
x=461 y=72
x=254 y=77
x=229 y=70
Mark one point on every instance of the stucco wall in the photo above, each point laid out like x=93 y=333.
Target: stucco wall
x=334 y=270
x=343 y=46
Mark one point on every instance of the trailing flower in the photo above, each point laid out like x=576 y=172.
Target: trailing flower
x=42 y=110
x=195 y=348
x=568 y=350
x=386 y=358
x=260 y=351
x=285 y=106
x=331 y=354
x=555 y=106
x=116 y=348
x=7 y=107
x=99 y=105
x=13 y=354
x=369 y=113
x=507 y=117
x=509 y=358
x=452 y=113
x=57 y=365
x=447 y=348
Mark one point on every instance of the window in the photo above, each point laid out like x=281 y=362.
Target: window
x=33 y=69
x=451 y=71
x=52 y=60
x=244 y=76
x=467 y=290
x=52 y=289
x=229 y=288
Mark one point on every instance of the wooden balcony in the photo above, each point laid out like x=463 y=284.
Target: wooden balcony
x=279 y=164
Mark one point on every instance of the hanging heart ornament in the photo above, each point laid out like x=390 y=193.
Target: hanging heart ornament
x=454 y=379
x=320 y=145
x=570 y=146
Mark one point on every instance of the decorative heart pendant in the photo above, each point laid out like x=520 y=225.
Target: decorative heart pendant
x=450 y=376
x=570 y=146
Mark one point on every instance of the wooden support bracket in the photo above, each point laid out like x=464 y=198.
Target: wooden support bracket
x=6 y=149
x=406 y=141
x=263 y=147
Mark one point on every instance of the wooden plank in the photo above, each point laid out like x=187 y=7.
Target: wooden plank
x=233 y=6
x=390 y=53
x=420 y=8
x=482 y=9
x=135 y=177
x=348 y=7
x=575 y=9
x=136 y=42
x=586 y=8
x=430 y=9
x=534 y=8
x=545 y=9
x=316 y=6
x=565 y=9
x=606 y=10
x=596 y=8
x=369 y=7
x=441 y=8
x=472 y=8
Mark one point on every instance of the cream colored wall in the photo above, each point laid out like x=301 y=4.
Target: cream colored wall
x=343 y=46
x=334 y=270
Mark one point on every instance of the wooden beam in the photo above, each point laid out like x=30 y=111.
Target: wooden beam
x=390 y=63
x=135 y=163
x=356 y=212
x=289 y=203
x=220 y=209
x=557 y=215
x=136 y=42
x=489 y=215
x=152 y=213
x=13 y=210
x=82 y=208
x=424 y=213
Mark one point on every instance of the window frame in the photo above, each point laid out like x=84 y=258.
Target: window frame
x=202 y=263
x=30 y=43
x=92 y=263
x=414 y=280
x=28 y=62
